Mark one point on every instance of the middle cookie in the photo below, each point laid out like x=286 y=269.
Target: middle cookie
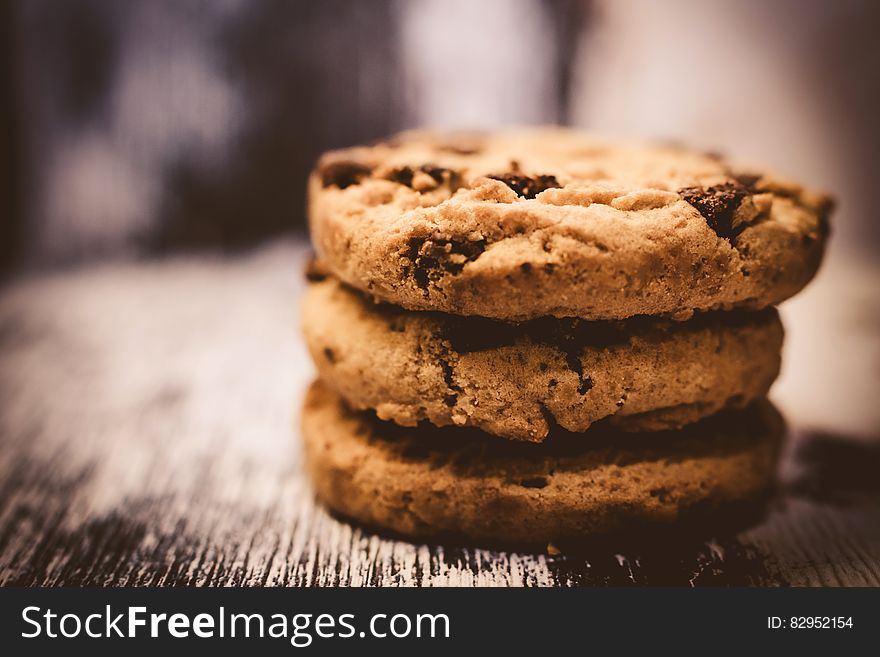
x=515 y=380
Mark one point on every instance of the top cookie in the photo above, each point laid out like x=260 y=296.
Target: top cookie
x=552 y=221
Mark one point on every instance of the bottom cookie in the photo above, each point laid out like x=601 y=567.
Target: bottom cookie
x=433 y=483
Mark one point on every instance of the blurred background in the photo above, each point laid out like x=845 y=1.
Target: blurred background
x=151 y=126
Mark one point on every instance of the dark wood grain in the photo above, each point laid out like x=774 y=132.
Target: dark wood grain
x=148 y=436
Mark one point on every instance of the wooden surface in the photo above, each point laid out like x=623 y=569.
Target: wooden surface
x=148 y=437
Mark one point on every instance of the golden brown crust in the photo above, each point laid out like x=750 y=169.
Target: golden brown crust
x=515 y=381
x=437 y=482
x=530 y=223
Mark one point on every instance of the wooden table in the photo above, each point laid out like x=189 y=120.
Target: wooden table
x=148 y=417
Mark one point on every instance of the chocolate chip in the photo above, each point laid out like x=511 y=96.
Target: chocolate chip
x=431 y=258
x=343 y=173
x=329 y=355
x=534 y=482
x=718 y=205
x=404 y=175
x=435 y=172
x=525 y=186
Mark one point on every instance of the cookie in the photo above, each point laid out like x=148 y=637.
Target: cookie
x=528 y=223
x=517 y=381
x=434 y=483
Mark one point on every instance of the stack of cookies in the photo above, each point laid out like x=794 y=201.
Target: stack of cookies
x=536 y=335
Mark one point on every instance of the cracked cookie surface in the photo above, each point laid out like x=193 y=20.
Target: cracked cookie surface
x=433 y=483
x=518 y=380
x=552 y=221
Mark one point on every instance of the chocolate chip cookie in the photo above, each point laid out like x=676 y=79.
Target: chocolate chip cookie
x=537 y=222
x=517 y=381
x=431 y=483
